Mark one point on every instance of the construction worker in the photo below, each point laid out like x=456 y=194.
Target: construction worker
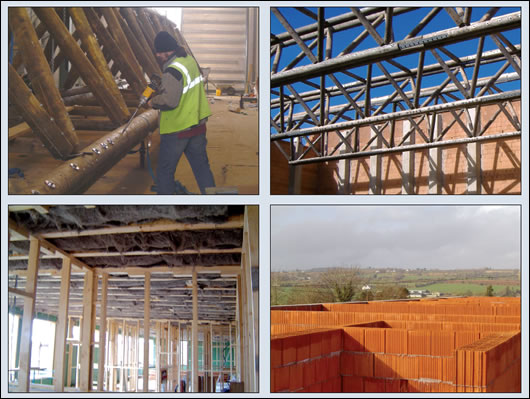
x=184 y=110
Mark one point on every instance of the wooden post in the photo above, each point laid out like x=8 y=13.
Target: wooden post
x=110 y=45
x=136 y=335
x=252 y=230
x=24 y=362
x=70 y=353
x=195 y=334
x=230 y=347
x=41 y=123
x=212 y=386
x=242 y=340
x=103 y=332
x=80 y=61
x=124 y=349
x=113 y=336
x=61 y=329
x=179 y=358
x=92 y=48
x=147 y=309
x=85 y=374
x=158 y=341
x=40 y=74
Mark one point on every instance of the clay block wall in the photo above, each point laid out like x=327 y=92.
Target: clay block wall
x=279 y=173
x=306 y=362
x=492 y=364
x=501 y=162
x=398 y=353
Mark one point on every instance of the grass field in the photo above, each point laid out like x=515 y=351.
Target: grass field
x=302 y=287
x=465 y=289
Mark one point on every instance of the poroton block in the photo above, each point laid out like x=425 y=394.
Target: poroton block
x=466 y=345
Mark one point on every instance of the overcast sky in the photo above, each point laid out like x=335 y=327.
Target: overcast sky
x=445 y=237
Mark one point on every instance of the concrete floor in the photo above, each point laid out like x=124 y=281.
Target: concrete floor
x=232 y=150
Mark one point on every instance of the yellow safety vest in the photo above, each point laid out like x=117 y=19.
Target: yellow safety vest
x=193 y=106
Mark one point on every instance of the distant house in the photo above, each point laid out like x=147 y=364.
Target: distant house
x=419 y=293
x=366 y=287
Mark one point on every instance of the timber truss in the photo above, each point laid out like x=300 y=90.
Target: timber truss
x=307 y=112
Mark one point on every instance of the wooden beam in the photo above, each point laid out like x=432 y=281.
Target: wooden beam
x=113 y=25
x=27 y=319
x=20 y=231
x=132 y=20
x=120 y=112
x=118 y=56
x=195 y=338
x=61 y=331
x=103 y=332
x=147 y=308
x=40 y=74
x=85 y=372
x=21 y=293
x=21 y=129
x=79 y=61
x=147 y=60
x=92 y=254
x=184 y=271
x=234 y=222
x=41 y=123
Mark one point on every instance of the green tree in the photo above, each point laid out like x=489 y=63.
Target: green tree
x=392 y=292
x=341 y=283
x=366 y=295
x=508 y=291
x=489 y=291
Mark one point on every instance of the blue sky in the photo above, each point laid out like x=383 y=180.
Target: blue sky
x=445 y=237
x=402 y=25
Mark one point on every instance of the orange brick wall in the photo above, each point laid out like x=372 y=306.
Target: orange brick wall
x=396 y=351
x=501 y=162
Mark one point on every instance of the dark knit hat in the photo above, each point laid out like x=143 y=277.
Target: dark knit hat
x=165 y=42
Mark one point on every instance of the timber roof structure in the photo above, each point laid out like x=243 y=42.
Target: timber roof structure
x=124 y=242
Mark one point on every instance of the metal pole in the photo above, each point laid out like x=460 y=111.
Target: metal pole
x=415 y=147
x=401 y=48
x=470 y=103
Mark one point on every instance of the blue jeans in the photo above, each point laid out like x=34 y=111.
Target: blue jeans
x=171 y=149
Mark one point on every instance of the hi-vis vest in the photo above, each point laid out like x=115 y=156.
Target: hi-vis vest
x=193 y=105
